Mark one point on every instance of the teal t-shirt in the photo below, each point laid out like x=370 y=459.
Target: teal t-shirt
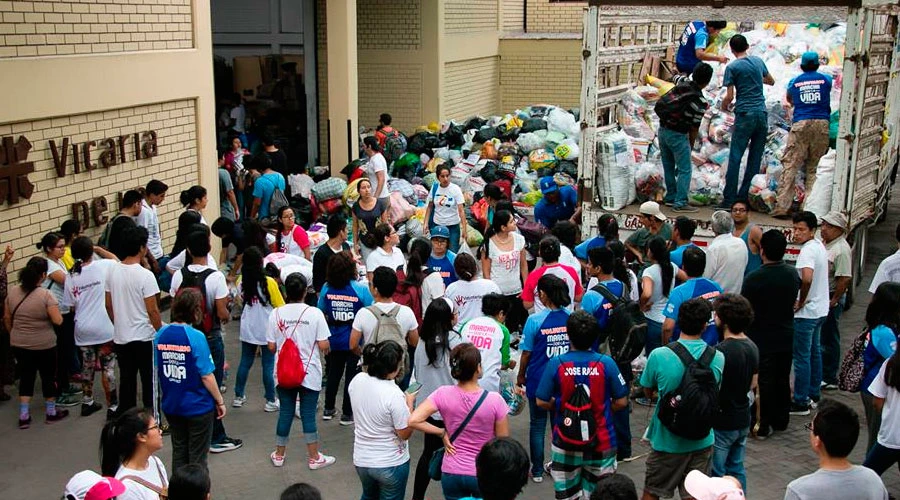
x=663 y=372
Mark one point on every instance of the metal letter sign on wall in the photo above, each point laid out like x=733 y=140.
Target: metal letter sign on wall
x=14 y=170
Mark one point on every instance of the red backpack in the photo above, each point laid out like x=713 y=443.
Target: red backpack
x=290 y=369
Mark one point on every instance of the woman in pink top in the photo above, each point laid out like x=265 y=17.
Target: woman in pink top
x=455 y=402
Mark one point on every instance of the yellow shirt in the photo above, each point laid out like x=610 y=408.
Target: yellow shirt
x=67 y=259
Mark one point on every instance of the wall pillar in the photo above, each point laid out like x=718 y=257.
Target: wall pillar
x=343 y=92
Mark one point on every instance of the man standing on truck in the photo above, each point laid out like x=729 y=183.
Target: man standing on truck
x=680 y=112
x=840 y=274
x=750 y=233
x=694 y=40
x=654 y=222
x=810 y=95
x=744 y=78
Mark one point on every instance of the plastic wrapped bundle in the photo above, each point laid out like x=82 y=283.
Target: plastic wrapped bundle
x=532 y=198
x=560 y=120
x=634 y=115
x=532 y=141
x=706 y=185
x=649 y=182
x=567 y=150
x=615 y=161
x=721 y=125
x=540 y=158
x=818 y=201
x=526 y=180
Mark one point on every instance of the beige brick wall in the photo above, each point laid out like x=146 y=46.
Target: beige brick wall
x=175 y=123
x=545 y=16
x=54 y=27
x=470 y=16
x=512 y=16
x=471 y=87
x=388 y=24
x=322 y=77
x=391 y=88
x=540 y=72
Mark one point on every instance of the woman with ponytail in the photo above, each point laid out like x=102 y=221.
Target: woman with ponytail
x=127 y=447
x=504 y=261
x=489 y=419
x=466 y=294
x=85 y=296
x=418 y=274
x=656 y=283
x=194 y=199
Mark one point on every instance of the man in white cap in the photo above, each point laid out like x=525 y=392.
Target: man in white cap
x=88 y=485
x=840 y=273
x=654 y=222
x=703 y=487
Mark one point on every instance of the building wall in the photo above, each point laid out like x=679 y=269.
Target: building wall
x=394 y=88
x=44 y=28
x=512 y=16
x=96 y=96
x=471 y=87
x=389 y=24
x=470 y=16
x=546 y=16
x=322 y=78
x=540 y=71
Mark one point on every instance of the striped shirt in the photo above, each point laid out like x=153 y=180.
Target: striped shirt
x=682 y=108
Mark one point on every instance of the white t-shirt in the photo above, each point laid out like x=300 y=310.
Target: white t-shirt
x=889 y=433
x=177 y=262
x=379 y=257
x=658 y=299
x=487 y=335
x=466 y=297
x=379 y=410
x=289 y=241
x=432 y=288
x=149 y=218
x=155 y=474
x=55 y=288
x=726 y=260
x=888 y=270
x=505 y=270
x=255 y=315
x=446 y=204
x=239 y=115
x=86 y=292
x=376 y=164
x=813 y=255
x=311 y=329
x=365 y=322
x=128 y=286
x=568 y=258
x=216 y=285
x=632 y=283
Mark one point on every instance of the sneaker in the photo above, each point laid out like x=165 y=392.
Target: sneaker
x=112 y=413
x=68 y=400
x=60 y=414
x=669 y=203
x=321 y=462
x=75 y=390
x=763 y=434
x=814 y=402
x=645 y=401
x=25 y=423
x=723 y=206
x=547 y=466
x=223 y=388
x=272 y=406
x=328 y=414
x=799 y=409
x=686 y=209
x=537 y=479
x=89 y=409
x=829 y=387
x=346 y=419
x=238 y=401
x=297 y=409
x=276 y=460
x=227 y=444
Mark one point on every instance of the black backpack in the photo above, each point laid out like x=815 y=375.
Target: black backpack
x=577 y=427
x=689 y=410
x=626 y=328
x=197 y=281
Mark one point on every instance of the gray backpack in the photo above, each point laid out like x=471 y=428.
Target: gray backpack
x=388 y=328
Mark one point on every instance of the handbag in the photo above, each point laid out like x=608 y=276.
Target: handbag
x=853 y=366
x=12 y=316
x=437 y=458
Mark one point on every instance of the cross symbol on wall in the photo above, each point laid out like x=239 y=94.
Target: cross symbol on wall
x=14 y=169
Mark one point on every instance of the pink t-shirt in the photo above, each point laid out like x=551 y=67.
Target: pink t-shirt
x=454 y=404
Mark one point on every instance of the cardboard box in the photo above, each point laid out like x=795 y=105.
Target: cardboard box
x=248 y=75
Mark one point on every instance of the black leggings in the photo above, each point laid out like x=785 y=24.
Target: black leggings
x=66 y=359
x=432 y=444
x=515 y=318
x=135 y=357
x=340 y=364
x=30 y=362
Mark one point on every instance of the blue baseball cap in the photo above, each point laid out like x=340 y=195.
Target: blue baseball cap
x=440 y=232
x=809 y=58
x=548 y=185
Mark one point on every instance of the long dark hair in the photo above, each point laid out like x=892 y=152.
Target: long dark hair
x=620 y=270
x=340 y=271
x=501 y=218
x=419 y=251
x=255 y=235
x=556 y=290
x=253 y=278
x=660 y=251
x=118 y=440
x=465 y=266
x=435 y=330
x=608 y=228
x=31 y=275
x=191 y=194
x=185 y=224
x=884 y=309
x=82 y=252
x=279 y=226
x=383 y=358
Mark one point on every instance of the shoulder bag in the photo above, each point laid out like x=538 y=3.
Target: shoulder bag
x=437 y=458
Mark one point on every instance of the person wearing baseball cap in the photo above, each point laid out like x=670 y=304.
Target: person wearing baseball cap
x=442 y=258
x=703 y=487
x=559 y=203
x=840 y=273
x=88 y=485
x=654 y=222
x=810 y=95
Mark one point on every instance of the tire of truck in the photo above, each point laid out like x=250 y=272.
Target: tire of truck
x=858 y=260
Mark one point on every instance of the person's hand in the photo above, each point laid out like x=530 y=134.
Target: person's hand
x=723 y=59
x=356 y=248
x=512 y=364
x=797 y=306
x=410 y=400
x=448 y=446
x=8 y=254
x=220 y=410
x=520 y=389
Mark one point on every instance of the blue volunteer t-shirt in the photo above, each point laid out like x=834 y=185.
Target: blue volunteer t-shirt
x=581 y=251
x=811 y=94
x=340 y=306
x=549 y=214
x=182 y=358
x=677 y=255
x=594 y=303
x=601 y=375
x=694 y=37
x=444 y=266
x=545 y=337
x=746 y=74
x=264 y=188
x=693 y=288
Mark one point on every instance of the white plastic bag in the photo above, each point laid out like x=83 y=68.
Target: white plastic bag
x=560 y=120
x=615 y=170
x=568 y=150
x=818 y=199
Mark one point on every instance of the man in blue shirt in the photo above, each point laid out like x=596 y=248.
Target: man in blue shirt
x=744 y=78
x=810 y=95
x=264 y=187
x=696 y=286
x=558 y=203
x=682 y=233
x=694 y=40
x=441 y=259
x=607 y=230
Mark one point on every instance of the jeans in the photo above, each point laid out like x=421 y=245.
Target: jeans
x=164 y=279
x=135 y=357
x=807 y=359
x=217 y=351
x=728 y=455
x=432 y=443
x=309 y=400
x=873 y=419
x=456 y=486
x=248 y=356
x=654 y=336
x=340 y=364
x=537 y=431
x=454 y=234
x=622 y=424
x=881 y=458
x=749 y=128
x=774 y=390
x=831 y=344
x=675 y=150
x=191 y=437
x=383 y=483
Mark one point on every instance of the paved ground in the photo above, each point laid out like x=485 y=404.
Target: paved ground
x=36 y=463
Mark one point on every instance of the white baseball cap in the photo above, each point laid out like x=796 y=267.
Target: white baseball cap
x=703 y=487
x=88 y=485
x=651 y=209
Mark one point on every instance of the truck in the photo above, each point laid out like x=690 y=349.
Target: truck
x=618 y=35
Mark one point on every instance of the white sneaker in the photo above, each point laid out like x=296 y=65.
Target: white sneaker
x=276 y=460
x=239 y=401
x=272 y=406
x=297 y=409
x=537 y=479
x=322 y=462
